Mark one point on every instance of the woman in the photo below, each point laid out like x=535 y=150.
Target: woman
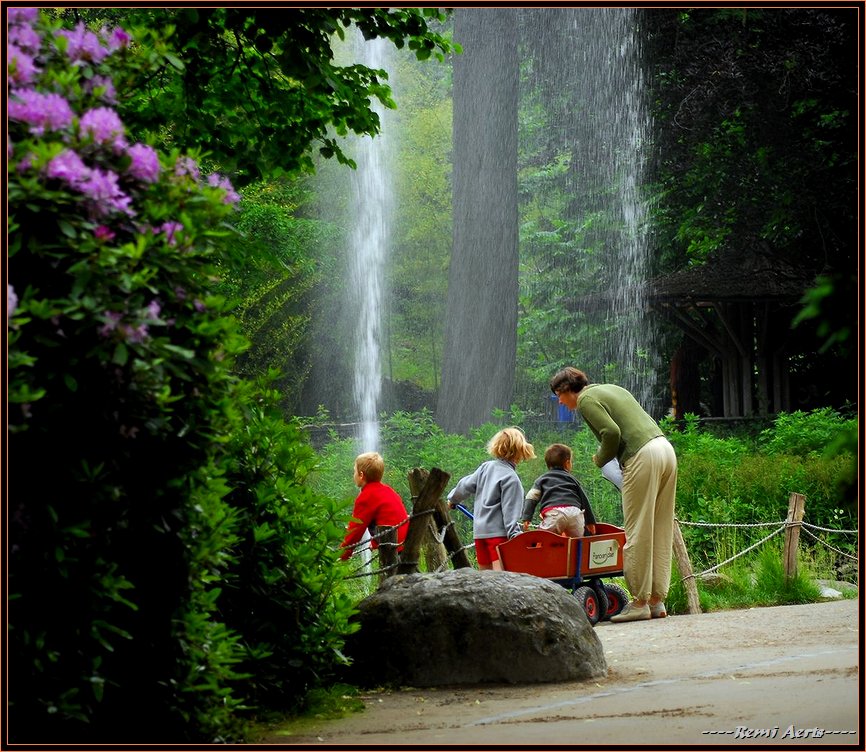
x=649 y=484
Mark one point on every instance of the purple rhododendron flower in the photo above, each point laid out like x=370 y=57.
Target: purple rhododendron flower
x=145 y=163
x=68 y=167
x=11 y=301
x=218 y=181
x=20 y=68
x=24 y=164
x=152 y=310
x=102 y=188
x=112 y=320
x=41 y=111
x=115 y=38
x=25 y=37
x=106 y=84
x=104 y=234
x=103 y=125
x=21 y=15
x=135 y=333
x=83 y=44
x=171 y=229
x=187 y=166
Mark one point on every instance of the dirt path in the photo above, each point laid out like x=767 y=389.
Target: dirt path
x=696 y=680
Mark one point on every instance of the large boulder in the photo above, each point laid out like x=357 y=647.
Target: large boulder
x=467 y=626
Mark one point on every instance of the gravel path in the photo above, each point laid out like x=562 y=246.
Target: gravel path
x=787 y=675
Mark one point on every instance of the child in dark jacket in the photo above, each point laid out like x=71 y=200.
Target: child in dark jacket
x=564 y=507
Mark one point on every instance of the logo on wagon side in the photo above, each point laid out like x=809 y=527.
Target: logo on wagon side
x=602 y=553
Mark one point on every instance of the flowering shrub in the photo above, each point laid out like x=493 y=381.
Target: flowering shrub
x=119 y=392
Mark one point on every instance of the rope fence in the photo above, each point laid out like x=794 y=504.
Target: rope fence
x=780 y=526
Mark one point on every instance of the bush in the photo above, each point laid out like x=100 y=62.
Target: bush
x=806 y=434
x=119 y=392
x=282 y=591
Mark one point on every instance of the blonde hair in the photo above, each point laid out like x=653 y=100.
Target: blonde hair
x=371 y=466
x=510 y=444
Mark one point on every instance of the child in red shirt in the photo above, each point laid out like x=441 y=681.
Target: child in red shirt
x=378 y=505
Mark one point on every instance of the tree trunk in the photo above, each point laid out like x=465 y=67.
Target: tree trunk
x=479 y=358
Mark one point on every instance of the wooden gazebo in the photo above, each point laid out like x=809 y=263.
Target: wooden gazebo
x=737 y=308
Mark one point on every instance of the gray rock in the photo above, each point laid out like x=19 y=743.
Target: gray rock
x=467 y=626
x=835 y=589
x=715 y=579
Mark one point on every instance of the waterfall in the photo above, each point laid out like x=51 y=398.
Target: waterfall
x=615 y=147
x=586 y=79
x=372 y=212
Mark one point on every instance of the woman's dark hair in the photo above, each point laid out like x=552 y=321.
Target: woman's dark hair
x=570 y=379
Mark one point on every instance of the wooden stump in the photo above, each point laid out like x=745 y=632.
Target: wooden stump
x=429 y=502
x=685 y=566
x=435 y=554
x=796 y=510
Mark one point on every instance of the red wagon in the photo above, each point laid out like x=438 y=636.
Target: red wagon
x=575 y=563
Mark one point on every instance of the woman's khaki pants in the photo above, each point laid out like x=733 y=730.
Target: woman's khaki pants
x=649 y=489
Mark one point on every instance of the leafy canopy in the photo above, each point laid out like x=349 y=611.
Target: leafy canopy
x=257 y=88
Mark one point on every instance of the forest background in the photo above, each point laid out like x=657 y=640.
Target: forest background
x=171 y=526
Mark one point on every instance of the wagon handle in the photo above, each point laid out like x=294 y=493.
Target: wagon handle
x=465 y=511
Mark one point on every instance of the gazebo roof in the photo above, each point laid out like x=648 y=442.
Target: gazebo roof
x=758 y=275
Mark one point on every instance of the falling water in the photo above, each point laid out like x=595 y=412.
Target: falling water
x=372 y=202
x=588 y=73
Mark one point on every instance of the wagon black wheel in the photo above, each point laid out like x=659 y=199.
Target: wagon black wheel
x=617 y=597
x=601 y=596
x=588 y=601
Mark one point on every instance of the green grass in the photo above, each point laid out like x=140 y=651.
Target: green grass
x=757 y=579
x=322 y=704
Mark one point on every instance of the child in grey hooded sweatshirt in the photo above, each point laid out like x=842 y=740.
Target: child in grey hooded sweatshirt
x=498 y=495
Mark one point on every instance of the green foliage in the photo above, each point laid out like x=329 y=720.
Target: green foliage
x=166 y=559
x=258 y=87
x=756 y=579
x=281 y=588
x=421 y=240
x=273 y=275
x=748 y=480
x=807 y=434
x=119 y=358
x=765 y=152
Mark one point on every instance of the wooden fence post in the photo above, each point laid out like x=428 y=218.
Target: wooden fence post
x=387 y=539
x=684 y=564
x=429 y=499
x=453 y=544
x=435 y=554
x=796 y=510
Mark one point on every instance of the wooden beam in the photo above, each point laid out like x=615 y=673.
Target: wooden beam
x=723 y=317
x=747 y=364
x=692 y=329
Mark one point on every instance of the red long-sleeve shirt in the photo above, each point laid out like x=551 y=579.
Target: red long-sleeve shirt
x=377 y=505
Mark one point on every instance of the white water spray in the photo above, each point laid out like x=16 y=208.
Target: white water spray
x=372 y=200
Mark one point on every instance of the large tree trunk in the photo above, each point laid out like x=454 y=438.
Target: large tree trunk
x=481 y=319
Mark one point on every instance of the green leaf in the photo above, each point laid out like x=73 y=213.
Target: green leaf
x=121 y=354
x=174 y=61
x=67 y=229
